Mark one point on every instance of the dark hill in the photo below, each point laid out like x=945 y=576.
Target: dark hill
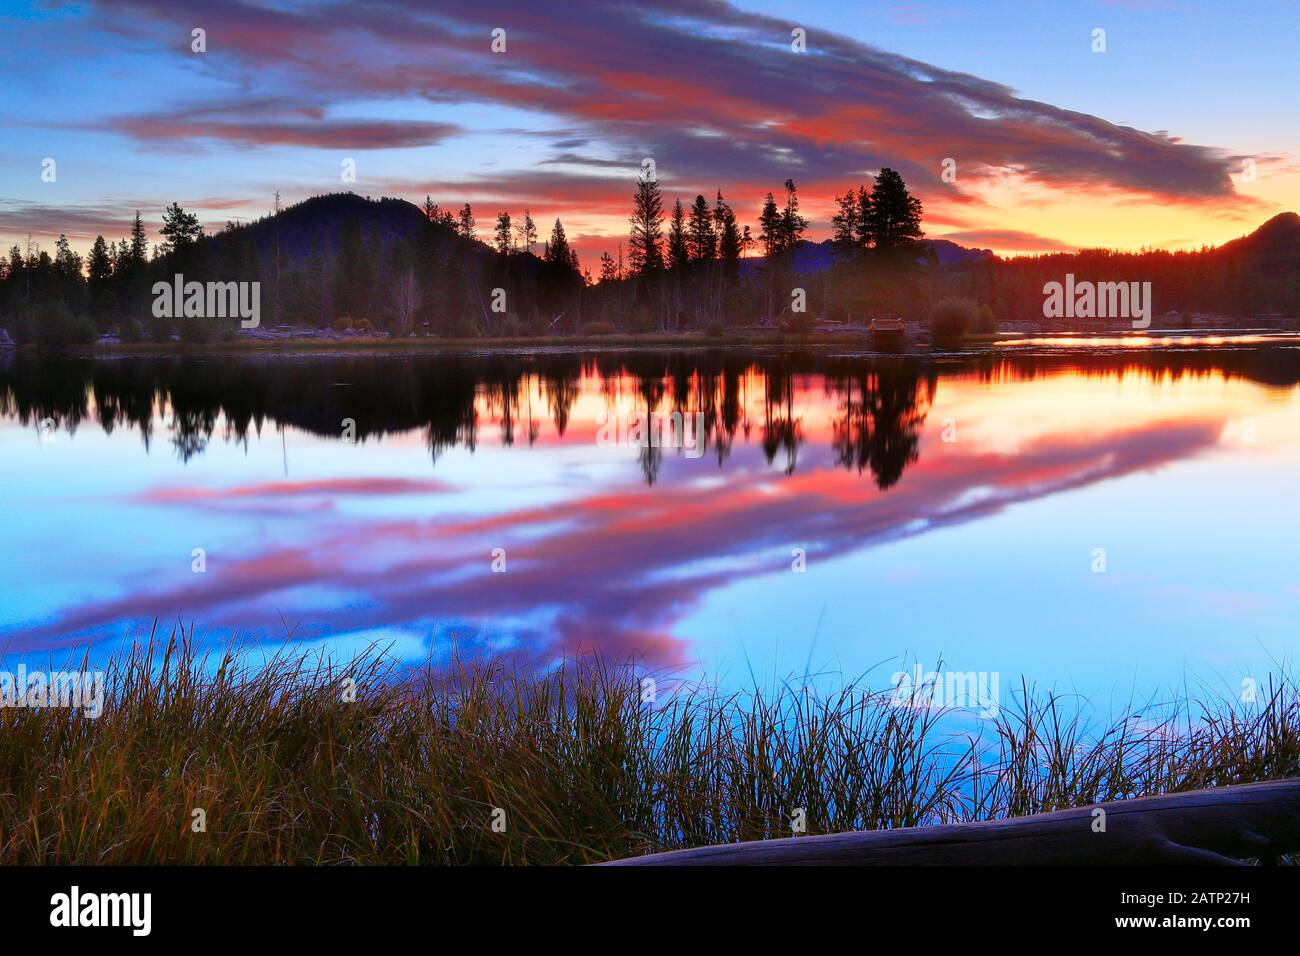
x=1273 y=246
x=319 y=221
x=811 y=257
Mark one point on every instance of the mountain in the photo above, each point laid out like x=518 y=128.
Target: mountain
x=950 y=253
x=1274 y=246
x=319 y=221
x=812 y=257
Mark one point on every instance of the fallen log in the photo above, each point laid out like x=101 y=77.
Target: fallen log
x=1219 y=826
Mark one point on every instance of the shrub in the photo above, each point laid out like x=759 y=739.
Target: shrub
x=342 y=324
x=954 y=317
x=57 y=326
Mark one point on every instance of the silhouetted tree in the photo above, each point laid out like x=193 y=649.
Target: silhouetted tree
x=846 y=223
x=557 y=247
x=180 y=229
x=465 y=225
x=701 y=239
x=137 y=253
x=894 y=216
x=769 y=227
x=644 y=250
x=99 y=267
x=678 y=253
x=527 y=233
x=729 y=244
x=503 y=236
x=792 y=224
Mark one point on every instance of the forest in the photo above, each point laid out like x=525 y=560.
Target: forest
x=364 y=266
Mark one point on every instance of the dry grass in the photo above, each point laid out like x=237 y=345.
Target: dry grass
x=409 y=772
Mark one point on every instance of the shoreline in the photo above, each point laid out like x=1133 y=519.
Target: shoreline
x=1203 y=338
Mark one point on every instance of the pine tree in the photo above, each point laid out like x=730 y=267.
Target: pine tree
x=99 y=266
x=678 y=251
x=180 y=229
x=66 y=262
x=769 y=227
x=862 y=235
x=701 y=239
x=138 y=253
x=645 y=252
x=465 y=226
x=894 y=219
x=792 y=224
x=557 y=249
x=608 y=268
x=504 y=237
x=845 y=224
x=729 y=242
x=527 y=232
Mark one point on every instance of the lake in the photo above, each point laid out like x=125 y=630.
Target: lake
x=1108 y=517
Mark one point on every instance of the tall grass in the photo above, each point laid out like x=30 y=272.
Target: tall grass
x=571 y=766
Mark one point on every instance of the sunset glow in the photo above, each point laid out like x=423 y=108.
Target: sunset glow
x=560 y=121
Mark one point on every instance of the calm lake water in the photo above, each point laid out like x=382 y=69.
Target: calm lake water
x=1103 y=518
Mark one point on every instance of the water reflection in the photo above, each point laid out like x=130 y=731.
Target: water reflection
x=881 y=403
x=629 y=550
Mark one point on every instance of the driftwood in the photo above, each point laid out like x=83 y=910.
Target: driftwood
x=1218 y=826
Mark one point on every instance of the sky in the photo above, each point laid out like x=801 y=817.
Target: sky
x=1181 y=132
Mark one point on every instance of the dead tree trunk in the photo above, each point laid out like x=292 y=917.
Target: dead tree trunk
x=1218 y=826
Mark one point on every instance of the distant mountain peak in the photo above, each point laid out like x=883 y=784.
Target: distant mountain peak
x=811 y=257
x=1285 y=225
x=1274 y=244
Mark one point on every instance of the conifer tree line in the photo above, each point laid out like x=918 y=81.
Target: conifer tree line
x=450 y=277
x=697 y=266
x=344 y=262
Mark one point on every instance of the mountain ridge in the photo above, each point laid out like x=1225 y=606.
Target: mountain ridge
x=318 y=221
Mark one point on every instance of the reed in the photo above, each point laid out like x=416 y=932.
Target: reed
x=572 y=762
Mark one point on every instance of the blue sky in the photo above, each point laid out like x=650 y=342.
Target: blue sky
x=1057 y=146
